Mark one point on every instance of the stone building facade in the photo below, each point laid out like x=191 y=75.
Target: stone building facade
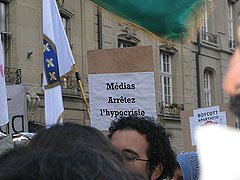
x=187 y=75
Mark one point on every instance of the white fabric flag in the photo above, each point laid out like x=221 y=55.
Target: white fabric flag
x=3 y=93
x=58 y=61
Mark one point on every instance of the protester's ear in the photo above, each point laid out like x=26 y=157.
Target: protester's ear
x=157 y=172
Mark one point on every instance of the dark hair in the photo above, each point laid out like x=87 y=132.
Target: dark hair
x=81 y=163
x=235 y=104
x=63 y=135
x=70 y=151
x=159 y=150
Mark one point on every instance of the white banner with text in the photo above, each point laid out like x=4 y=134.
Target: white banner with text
x=120 y=94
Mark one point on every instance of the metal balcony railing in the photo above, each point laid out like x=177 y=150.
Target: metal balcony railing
x=233 y=44
x=212 y=38
x=12 y=76
x=171 y=109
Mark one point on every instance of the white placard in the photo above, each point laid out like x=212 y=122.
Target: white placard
x=205 y=116
x=120 y=94
x=17 y=109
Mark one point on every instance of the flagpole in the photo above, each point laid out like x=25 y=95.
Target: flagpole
x=81 y=88
x=7 y=129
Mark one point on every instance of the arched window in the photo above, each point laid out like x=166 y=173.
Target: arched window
x=208 y=84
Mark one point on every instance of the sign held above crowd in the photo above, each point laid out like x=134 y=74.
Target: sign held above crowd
x=192 y=119
x=121 y=83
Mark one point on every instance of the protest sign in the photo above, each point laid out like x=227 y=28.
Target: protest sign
x=121 y=83
x=17 y=110
x=192 y=119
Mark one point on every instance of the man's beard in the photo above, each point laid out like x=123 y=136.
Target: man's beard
x=235 y=104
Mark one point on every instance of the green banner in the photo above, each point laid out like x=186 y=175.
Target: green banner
x=168 y=19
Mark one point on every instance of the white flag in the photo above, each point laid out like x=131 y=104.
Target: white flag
x=58 y=61
x=3 y=94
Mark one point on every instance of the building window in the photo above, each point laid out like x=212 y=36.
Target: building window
x=66 y=16
x=5 y=35
x=125 y=43
x=127 y=38
x=165 y=78
x=64 y=21
x=3 y=17
x=205 y=17
x=205 y=34
x=3 y=22
x=207 y=88
x=66 y=26
x=230 y=22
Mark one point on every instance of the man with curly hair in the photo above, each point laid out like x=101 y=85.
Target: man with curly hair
x=144 y=145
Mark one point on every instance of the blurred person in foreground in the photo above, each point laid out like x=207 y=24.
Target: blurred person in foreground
x=144 y=145
x=232 y=81
x=225 y=141
x=65 y=152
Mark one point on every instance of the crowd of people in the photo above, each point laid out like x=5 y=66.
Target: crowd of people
x=135 y=148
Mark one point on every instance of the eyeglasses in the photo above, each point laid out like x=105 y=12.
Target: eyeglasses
x=130 y=160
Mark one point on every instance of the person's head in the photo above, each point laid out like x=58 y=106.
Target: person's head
x=145 y=146
x=66 y=151
x=62 y=134
x=82 y=162
x=232 y=82
x=69 y=135
x=188 y=166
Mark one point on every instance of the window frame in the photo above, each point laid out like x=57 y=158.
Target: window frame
x=207 y=88
x=5 y=35
x=66 y=24
x=230 y=22
x=66 y=14
x=205 y=16
x=5 y=18
x=122 y=42
x=129 y=41
x=165 y=77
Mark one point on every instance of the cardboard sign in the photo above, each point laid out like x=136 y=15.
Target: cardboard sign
x=191 y=119
x=17 y=110
x=121 y=83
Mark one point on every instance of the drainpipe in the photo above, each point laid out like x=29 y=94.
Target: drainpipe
x=99 y=19
x=197 y=69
